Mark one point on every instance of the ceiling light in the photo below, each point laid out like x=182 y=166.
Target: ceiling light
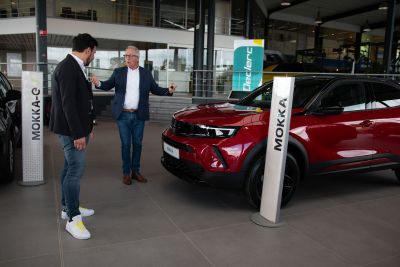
x=367 y=28
x=285 y=3
x=318 y=19
x=383 y=5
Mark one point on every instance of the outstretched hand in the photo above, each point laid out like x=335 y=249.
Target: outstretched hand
x=171 y=88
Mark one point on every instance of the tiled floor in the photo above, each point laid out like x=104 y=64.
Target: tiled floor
x=332 y=221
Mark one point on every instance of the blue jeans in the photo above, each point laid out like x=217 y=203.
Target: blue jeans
x=74 y=166
x=131 y=134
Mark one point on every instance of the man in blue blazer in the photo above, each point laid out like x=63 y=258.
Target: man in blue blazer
x=130 y=108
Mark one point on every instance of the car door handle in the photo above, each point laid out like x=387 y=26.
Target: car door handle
x=366 y=123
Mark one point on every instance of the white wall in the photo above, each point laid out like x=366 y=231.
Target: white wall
x=131 y=32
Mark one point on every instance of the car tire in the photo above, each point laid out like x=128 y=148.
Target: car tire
x=397 y=172
x=254 y=182
x=9 y=162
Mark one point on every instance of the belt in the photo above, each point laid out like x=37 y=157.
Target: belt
x=129 y=109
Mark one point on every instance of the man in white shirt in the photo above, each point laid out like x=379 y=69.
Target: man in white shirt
x=130 y=108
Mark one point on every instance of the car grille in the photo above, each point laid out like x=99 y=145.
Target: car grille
x=177 y=145
x=183 y=169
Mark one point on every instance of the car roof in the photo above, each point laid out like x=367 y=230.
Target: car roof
x=344 y=77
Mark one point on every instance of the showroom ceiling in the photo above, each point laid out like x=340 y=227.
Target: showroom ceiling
x=341 y=19
x=338 y=14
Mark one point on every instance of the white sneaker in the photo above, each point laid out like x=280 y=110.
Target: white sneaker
x=84 y=212
x=77 y=229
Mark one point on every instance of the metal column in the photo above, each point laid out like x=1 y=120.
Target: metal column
x=357 y=46
x=157 y=13
x=357 y=53
x=249 y=20
x=266 y=32
x=198 y=51
x=387 y=57
x=41 y=41
x=317 y=42
x=210 y=47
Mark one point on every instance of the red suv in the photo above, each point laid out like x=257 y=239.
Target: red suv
x=338 y=124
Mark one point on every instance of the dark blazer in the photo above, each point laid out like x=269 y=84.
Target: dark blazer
x=72 y=96
x=146 y=85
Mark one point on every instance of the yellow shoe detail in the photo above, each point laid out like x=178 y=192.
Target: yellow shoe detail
x=80 y=226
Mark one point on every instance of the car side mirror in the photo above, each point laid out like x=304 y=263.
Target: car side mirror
x=332 y=110
x=12 y=95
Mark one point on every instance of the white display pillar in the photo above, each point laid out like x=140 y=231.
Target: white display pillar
x=275 y=160
x=32 y=128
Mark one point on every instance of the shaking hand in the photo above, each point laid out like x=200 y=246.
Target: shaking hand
x=171 y=88
x=94 y=80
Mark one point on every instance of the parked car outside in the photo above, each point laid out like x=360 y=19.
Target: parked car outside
x=290 y=69
x=10 y=128
x=338 y=125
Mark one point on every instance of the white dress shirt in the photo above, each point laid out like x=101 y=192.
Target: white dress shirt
x=132 y=89
x=80 y=62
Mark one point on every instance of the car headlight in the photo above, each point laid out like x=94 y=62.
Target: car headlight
x=212 y=131
x=201 y=130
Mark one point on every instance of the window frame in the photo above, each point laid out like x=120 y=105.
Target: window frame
x=317 y=103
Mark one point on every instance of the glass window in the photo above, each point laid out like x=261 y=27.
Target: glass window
x=349 y=96
x=158 y=60
x=238 y=17
x=386 y=96
x=180 y=59
x=173 y=14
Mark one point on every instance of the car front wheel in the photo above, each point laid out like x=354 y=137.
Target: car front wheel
x=254 y=182
x=397 y=172
x=9 y=163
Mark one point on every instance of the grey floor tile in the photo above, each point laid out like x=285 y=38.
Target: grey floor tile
x=198 y=208
x=349 y=188
x=122 y=221
x=164 y=251
x=40 y=261
x=385 y=209
x=251 y=245
x=13 y=196
x=356 y=236
x=306 y=204
x=332 y=221
x=389 y=262
x=28 y=233
x=108 y=190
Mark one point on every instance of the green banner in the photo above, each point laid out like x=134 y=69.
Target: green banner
x=247 y=64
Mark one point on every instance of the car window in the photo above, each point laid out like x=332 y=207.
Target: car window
x=385 y=95
x=3 y=87
x=304 y=90
x=349 y=96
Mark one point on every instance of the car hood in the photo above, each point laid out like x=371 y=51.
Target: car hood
x=223 y=114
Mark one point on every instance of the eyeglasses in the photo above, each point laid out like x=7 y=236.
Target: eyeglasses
x=129 y=56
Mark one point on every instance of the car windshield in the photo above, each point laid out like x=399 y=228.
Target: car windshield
x=304 y=90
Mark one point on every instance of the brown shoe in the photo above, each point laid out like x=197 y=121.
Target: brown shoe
x=139 y=177
x=126 y=179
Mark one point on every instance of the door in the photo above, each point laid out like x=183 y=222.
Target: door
x=344 y=140
x=386 y=112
